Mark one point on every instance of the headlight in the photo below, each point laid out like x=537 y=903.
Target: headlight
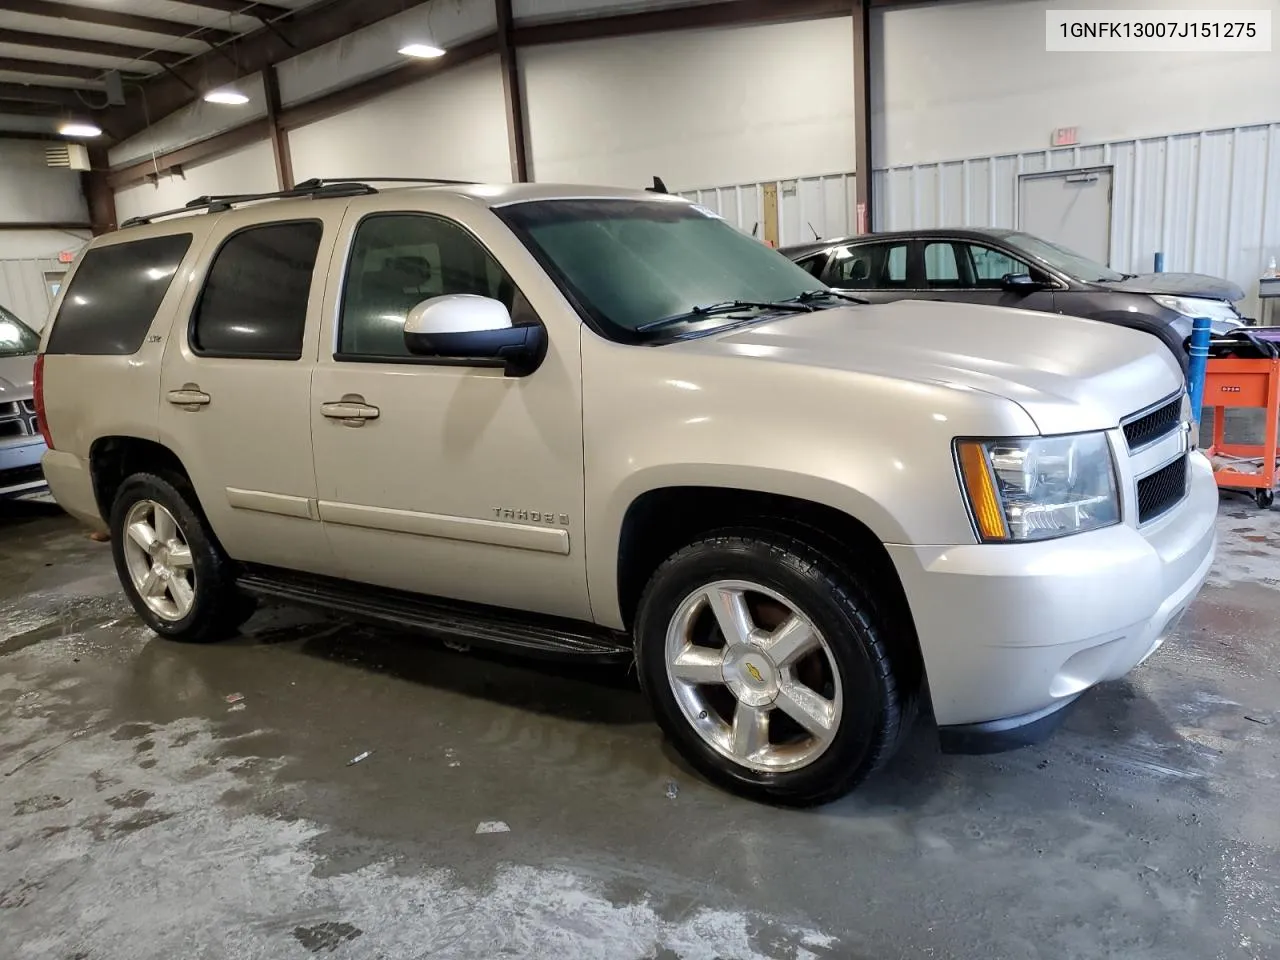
x=1037 y=488
x=1198 y=307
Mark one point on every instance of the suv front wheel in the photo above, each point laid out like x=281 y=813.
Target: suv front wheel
x=174 y=573
x=768 y=669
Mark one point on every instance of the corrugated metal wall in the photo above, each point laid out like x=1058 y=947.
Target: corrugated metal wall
x=806 y=205
x=23 y=289
x=1209 y=201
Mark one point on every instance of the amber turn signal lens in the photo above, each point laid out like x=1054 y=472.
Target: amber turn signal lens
x=981 y=489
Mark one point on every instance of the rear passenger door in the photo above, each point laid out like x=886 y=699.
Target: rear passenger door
x=876 y=271
x=236 y=384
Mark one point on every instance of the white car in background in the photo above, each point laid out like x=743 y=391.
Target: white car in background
x=21 y=444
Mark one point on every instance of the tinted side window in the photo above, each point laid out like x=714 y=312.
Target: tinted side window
x=114 y=296
x=869 y=266
x=814 y=264
x=254 y=302
x=990 y=266
x=940 y=267
x=894 y=268
x=400 y=259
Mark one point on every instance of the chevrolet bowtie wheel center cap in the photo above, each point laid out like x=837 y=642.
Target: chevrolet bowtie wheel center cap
x=751 y=675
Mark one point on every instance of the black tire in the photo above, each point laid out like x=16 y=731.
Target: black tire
x=879 y=696
x=1264 y=498
x=219 y=608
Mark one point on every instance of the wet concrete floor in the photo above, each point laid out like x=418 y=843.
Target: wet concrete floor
x=143 y=815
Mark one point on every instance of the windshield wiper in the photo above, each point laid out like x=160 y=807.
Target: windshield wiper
x=810 y=295
x=726 y=306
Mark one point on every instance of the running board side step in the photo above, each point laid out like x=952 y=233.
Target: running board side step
x=529 y=634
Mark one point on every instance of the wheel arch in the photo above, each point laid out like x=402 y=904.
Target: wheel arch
x=113 y=459
x=660 y=521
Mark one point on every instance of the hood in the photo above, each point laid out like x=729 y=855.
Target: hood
x=15 y=377
x=1181 y=285
x=1068 y=374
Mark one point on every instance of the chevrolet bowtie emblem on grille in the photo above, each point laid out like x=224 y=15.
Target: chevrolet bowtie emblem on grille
x=755 y=673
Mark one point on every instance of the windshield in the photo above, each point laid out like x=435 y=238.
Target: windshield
x=630 y=263
x=1063 y=260
x=16 y=338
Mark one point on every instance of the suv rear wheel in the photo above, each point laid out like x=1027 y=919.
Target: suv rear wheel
x=175 y=575
x=768 y=669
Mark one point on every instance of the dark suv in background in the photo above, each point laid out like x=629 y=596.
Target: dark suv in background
x=1011 y=269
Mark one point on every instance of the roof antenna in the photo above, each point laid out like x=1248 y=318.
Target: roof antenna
x=658 y=186
x=755 y=228
x=816 y=235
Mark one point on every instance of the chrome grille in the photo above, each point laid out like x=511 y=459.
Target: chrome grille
x=1162 y=490
x=1152 y=425
x=18 y=419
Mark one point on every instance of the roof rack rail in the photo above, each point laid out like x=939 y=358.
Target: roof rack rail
x=222 y=202
x=320 y=181
x=315 y=187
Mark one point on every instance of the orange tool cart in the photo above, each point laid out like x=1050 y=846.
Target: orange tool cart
x=1245 y=372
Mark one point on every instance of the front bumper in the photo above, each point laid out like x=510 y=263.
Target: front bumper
x=1014 y=632
x=20 y=472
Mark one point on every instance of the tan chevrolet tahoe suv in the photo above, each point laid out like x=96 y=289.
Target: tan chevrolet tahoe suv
x=604 y=424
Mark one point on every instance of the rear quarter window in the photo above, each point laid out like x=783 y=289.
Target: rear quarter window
x=114 y=295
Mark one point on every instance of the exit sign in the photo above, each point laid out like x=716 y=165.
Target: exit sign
x=1066 y=137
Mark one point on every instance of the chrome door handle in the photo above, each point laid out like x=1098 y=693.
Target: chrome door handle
x=190 y=396
x=350 y=410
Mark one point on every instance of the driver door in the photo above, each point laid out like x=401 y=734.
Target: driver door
x=441 y=476
x=970 y=272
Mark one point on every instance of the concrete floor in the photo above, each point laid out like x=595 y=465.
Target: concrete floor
x=144 y=816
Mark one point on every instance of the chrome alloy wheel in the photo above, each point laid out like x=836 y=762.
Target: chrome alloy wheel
x=753 y=676
x=159 y=560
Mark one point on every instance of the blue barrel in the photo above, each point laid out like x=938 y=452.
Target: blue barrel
x=1200 y=333
x=1159 y=264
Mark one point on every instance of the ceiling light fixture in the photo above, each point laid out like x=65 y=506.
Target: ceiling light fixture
x=79 y=129
x=423 y=51
x=226 y=95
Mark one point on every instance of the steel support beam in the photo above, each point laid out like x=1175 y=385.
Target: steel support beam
x=25 y=108
x=48 y=68
x=98 y=195
x=513 y=94
x=862 y=59
x=139 y=172
x=124 y=51
x=246 y=7
x=104 y=17
x=56 y=96
x=279 y=137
